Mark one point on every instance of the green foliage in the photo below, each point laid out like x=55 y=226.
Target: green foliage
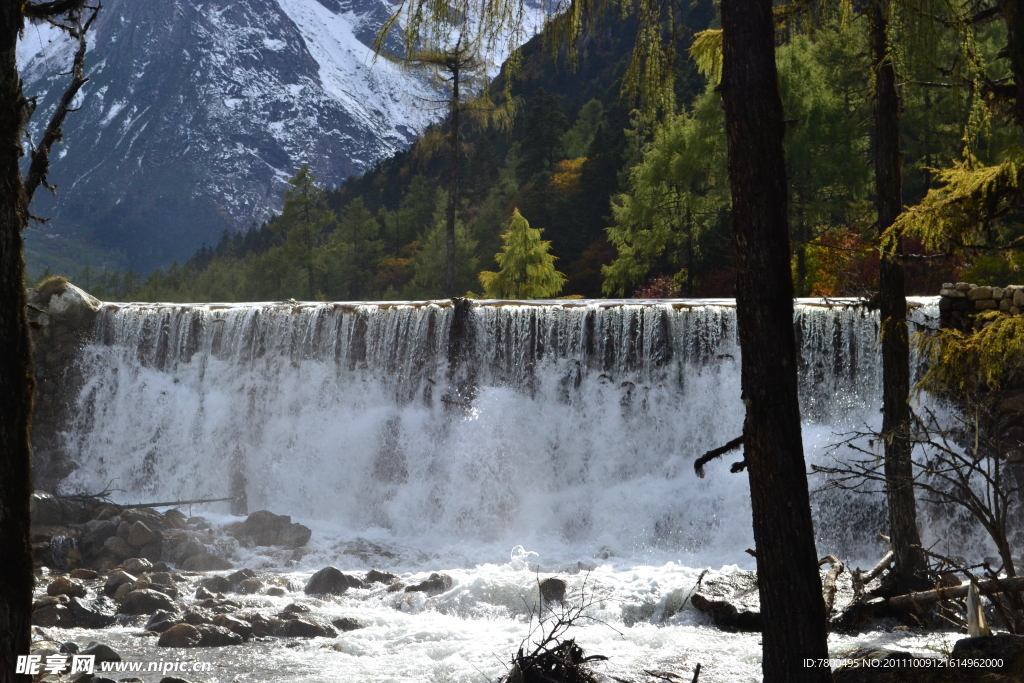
x=428 y=281
x=984 y=359
x=304 y=222
x=527 y=270
x=577 y=139
x=996 y=270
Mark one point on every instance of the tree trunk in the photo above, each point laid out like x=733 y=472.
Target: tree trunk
x=792 y=607
x=16 y=580
x=453 y=186
x=910 y=563
x=1013 y=15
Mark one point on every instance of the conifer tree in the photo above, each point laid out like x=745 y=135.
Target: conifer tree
x=527 y=269
x=303 y=223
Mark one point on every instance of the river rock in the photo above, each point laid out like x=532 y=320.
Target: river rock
x=217 y=584
x=118 y=547
x=102 y=653
x=241 y=575
x=263 y=526
x=84 y=574
x=146 y=601
x=181 y=635
x=294 y=536
x=301 y=628
x=53 y=615
x=435 y=583
x=731 y=601
x=139 y=535
x=233 y=624
x=205 y=563
x=63 y=585
x=250 y=586
x=552 y=590
x=123 y=590
x=115 y=579
x=98 y=613
x=346 y=624
x=217 y=636
x=161 y=621
x=330 y=580
x=95 y=532
x=197 y=616
x=375 y=576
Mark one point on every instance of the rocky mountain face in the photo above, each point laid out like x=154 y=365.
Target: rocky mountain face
x=198 y=111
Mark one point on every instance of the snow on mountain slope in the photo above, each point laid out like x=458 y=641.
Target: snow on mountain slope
x=197 y=112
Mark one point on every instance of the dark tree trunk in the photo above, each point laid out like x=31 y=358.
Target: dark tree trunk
x=899 y=473
x=16 y=578
x=453 y=185
x=1013 y=14
x=792 y=607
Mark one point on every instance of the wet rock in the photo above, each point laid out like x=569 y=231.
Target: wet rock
x=263 y=526
x=203 y=594
x=1005 y=647
x=47 y=600
x=330 y=580
x=172 y=679
x=53 y=615
x=374 y=576
x=160 y=578
x=731 y=601
x=146 y=602
x=95 y=532
x=181 y=635
x=217 y=584
x=301 y=628
x=118 y=547
x=435 y=583
x=205 y=563
x=346 y=624
x=241 y=575
x=84 y=574
x=63 y=585
x=123 y=590
x=101 y=652
x=139 y=535
x=250 y=586
x=217 y=636
x=295 y=608
x=106 y=512
x=136 y=565
x=115 y=579
x=552 y=590
x=161 y=621
x=293 y=536
x=98 y=613
x=45 y=510
x=276 y=591
x=233 y=624
x=182 y=548
x=264 y=626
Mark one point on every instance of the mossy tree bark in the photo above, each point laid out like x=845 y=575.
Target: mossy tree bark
x=792 y=606
x=910 y=565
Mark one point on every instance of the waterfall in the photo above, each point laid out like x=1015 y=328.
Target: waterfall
x=570 y=425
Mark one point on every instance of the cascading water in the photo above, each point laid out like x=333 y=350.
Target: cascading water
x=567 y=427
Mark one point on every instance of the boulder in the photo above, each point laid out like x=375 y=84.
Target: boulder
x=98 y=613
x=115 y=579
x=1005 y=647
x=95 y=532
x=301 y=628
x=146 y=601
x=101 y=652
x=276 y=591
x=118 y=547
x=979 y=294
x=216 y=584
x=294 y=536
x=63 y=585
x=205 y=563
x=241 y=575
x=263 y=526
x=139 y=535
x=161 y=621
x=45 y=510
x=374 y=576
x=53 y=615
x=181 y=635
x=731 y=601
x=346 y=624
x=250 y=586
x=197 y=616
x=123 y=590
x=435 y=583
x=330 y=580
x=233 y=624
x=217 y=636
x=552 y=590
x=84 y=574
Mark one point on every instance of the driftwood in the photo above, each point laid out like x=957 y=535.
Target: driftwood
x=948 y=593
x=829 y=588
x=175 y=503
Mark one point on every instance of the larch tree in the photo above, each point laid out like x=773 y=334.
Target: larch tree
x=16 y=384
x=527 y=269
x=304 y=222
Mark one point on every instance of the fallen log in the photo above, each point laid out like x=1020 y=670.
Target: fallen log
x=882 y=565
x=829 y=588
x=948 y=593
x=176 y=503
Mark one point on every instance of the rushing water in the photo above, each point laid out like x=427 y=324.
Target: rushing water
x=443 y=436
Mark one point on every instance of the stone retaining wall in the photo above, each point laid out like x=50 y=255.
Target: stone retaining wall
x=960 y=302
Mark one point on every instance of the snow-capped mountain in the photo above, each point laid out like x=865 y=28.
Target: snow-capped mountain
x=197 y=112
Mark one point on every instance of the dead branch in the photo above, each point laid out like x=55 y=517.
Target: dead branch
x=943 y=593
x=698 y=465
x=40 y=165
x=829 y=587
x=877 y=570
x=176 y=503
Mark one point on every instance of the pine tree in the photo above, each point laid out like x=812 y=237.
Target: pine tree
x=527 y=269
x=303 y=222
